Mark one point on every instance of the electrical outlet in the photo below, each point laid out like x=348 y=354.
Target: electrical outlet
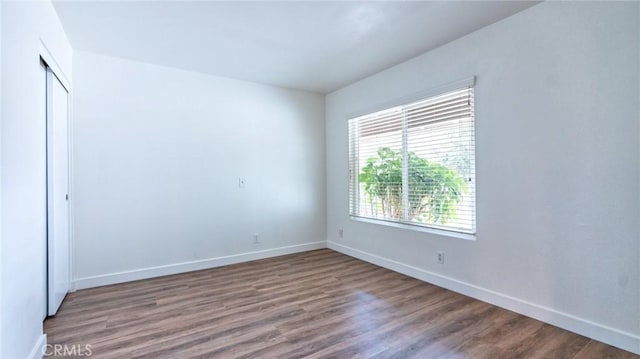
x=241 y=182
x=340 y=233
x=256 y=238
x=440 y=256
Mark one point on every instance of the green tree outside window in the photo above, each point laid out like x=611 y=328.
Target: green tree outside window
x=434 y=190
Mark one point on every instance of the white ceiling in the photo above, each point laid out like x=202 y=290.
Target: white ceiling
x=312 y=45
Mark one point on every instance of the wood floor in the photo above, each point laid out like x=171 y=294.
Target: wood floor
x=318 y=304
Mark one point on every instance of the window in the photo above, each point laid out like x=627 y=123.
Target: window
x=415 y=164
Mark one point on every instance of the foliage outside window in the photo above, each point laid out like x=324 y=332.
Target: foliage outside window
x=415 y=163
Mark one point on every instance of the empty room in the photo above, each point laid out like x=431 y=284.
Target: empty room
x=319 y=179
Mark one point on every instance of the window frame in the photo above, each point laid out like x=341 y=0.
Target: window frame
x=353 y=180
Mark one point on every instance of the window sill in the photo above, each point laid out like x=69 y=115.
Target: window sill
x=441 y=232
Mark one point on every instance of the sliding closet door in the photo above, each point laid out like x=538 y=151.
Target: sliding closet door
x=58 y=241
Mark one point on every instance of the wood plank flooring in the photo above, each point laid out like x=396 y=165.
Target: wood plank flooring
x=318 y=304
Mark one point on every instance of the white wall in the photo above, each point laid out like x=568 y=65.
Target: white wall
x=1 y=316
x=157 y=157
x=24 y=26
x=558 y=182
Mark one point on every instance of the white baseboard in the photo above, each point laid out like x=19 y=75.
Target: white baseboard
x=36 y=352
x=611 y=336
x=144 y=273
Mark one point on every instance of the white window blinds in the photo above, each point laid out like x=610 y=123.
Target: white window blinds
x=415 y=163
